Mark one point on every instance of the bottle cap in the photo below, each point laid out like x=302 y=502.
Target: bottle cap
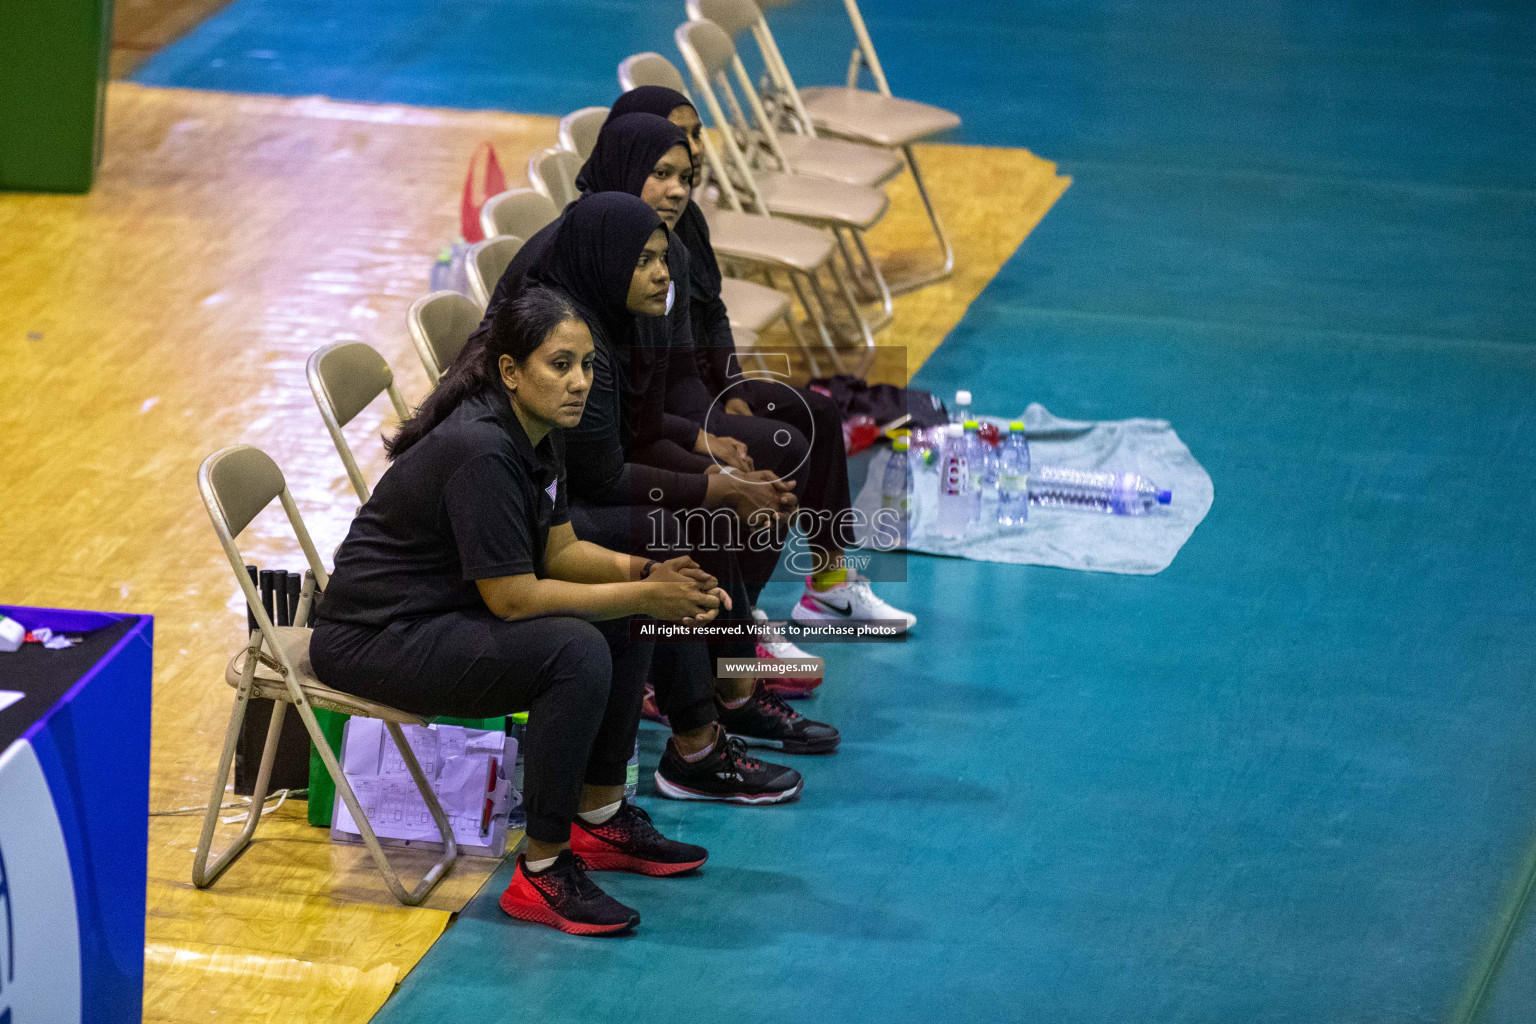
x=520 y=717
x=962 y=398
x=1164 y=497
x=971 y=425
x=954 y=430
x=901 y=444
x=1016 y=425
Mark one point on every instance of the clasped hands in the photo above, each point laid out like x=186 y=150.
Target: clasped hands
x=681 y=591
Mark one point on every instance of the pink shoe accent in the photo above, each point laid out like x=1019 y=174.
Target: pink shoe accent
x=787 y=686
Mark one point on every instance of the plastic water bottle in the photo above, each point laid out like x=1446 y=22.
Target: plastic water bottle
x=954 y=485
x=442 y=269
x=894 y=493
x=976 y=458
x=632 y=773
x=1124 y=494
x=1013 y=479
x=517 y=815
x=962 y=410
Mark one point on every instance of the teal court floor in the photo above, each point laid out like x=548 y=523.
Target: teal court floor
x=1292 y=778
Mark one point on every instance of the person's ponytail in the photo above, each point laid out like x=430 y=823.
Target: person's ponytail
x=517 y=328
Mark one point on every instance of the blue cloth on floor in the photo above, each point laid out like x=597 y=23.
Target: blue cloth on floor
x=1067 y=538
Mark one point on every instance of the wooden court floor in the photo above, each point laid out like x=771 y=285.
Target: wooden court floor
x=169 y=313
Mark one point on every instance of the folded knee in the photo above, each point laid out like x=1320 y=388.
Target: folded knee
x=581 y=663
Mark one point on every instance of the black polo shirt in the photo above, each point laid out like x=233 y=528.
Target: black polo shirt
x=472 y=500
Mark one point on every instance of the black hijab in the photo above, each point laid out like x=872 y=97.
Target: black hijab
x=626 y=151
x=590 y=255
x=692 y=231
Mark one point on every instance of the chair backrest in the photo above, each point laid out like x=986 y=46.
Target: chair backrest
x=553 y=175
x=579 y=128
x=708 y=51
x=735 y=16
x=440 y=325
x=863 y=50
x=236 y=484
x=487 y=261
x=519 y=212
x=866 y=47
x=344 y=378
x=650 y=69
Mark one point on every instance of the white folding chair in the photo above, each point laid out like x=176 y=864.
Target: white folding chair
x=344 y=377
x=519 y=212
x=579 y=128
x=846 y=210
x=441 y=322
x=552 y=173
x=486 y=261
x=237 y=484
x=854 y=163
x=849 y=112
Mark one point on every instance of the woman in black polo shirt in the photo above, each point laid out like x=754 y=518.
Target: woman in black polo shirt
x=462 y=590
x=619 y=501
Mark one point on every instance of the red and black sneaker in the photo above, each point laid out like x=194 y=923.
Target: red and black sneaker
x=726 y=774
x=649 y=709
x=628 y=841
x=766 y=721
x=563 y=897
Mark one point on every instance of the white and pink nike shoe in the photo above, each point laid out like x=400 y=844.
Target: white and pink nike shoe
x=851 y=600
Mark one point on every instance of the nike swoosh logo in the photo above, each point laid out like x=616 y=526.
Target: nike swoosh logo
x=844 y=612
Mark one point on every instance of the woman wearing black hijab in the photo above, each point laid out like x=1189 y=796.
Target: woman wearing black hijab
x=607 y=252
x=761 y=412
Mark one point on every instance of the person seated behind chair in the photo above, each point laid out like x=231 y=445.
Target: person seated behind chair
x=754 y=410
x=461 y=590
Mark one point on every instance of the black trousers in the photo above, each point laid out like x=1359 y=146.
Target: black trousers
x=683 y=673
x=798 y=434
x=580 y=683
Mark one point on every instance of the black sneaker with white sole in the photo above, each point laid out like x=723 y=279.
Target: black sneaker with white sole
x=727 y=774
x=765 y=720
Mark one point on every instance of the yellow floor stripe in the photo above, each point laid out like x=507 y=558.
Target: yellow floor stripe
x=169 y=313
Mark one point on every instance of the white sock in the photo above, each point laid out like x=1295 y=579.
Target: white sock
x=602 y=814
x=700 y=755
x=535 y=866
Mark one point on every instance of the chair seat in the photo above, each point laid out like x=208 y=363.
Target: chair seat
x=873 y=117
x=818 y=199
x=751 y=306
x=294 y=642
x=852 y=163
x=747 y=236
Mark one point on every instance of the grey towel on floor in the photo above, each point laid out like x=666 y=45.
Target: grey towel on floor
x=1138 y=545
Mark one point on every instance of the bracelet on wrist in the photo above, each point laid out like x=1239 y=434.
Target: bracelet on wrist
x=645 y=570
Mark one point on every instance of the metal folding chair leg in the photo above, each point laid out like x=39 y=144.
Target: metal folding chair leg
x=450 y=855
x=882 y=290
x=948 y=251
x=860 y=325
x=204 y=874
x=817 y=319
x=795 y=333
